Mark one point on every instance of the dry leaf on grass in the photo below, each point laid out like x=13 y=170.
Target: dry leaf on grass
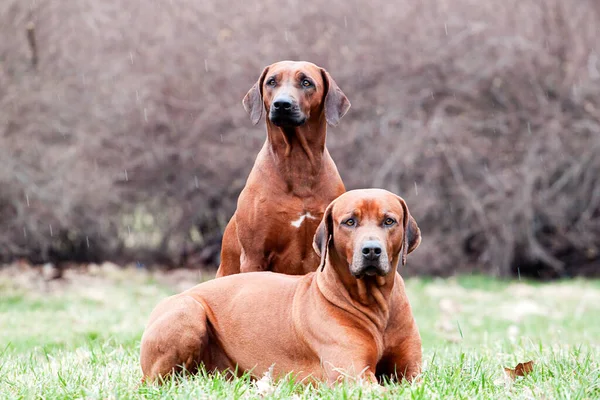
x=521 y=369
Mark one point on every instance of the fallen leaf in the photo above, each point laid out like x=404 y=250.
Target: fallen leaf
x=521 y=369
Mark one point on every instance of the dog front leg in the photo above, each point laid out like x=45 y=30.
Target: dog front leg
x=357 y=370
x=402 y=362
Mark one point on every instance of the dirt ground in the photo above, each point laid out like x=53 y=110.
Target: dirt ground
x=46 y=278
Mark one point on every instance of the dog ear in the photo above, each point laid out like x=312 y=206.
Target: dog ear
x=253 y=101
x=323 y=236
x=336 y=102
x=412 y=233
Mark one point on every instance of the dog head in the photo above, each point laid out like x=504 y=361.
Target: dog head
x=368 y=230
x=293 y=92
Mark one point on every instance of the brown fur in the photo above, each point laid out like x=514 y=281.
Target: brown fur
x=293 y=175
x=321 y=326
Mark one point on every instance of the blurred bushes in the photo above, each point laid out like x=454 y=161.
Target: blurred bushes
x=127 y=140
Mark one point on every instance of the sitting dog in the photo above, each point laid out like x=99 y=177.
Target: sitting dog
x=293 y=179
x=350 y=317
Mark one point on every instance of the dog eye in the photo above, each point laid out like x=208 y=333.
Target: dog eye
x=306 y=83
x=350 y=222
x=389 y=221
x=271 y=82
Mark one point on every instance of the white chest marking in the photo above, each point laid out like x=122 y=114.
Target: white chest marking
x=300 y=220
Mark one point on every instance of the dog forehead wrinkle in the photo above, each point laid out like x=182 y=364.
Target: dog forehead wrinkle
x=341 y=217
x=388 y=212
x=302 y=74
x=272 y=76
x=295 y=71
x=380 y=209
x=368 y=209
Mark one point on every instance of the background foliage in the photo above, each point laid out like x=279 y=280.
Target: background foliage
x=122 y=137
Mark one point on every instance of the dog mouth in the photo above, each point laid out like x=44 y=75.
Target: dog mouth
x=286 y=119
x=369 y=270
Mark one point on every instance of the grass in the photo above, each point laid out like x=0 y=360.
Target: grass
x=81 y=340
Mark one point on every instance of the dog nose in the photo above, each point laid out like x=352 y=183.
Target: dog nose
x=371 y=250
x=282 y=104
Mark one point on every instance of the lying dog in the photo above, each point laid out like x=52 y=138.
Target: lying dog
x=351 y=317
x=293 y=178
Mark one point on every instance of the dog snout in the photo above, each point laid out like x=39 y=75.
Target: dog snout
x=370 y=259
x=285 y=111
x=371 y=250
x=284 y=104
